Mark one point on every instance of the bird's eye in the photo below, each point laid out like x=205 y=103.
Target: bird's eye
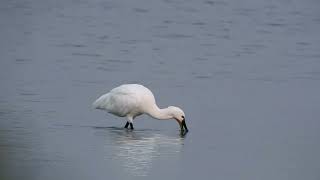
x=182 y=117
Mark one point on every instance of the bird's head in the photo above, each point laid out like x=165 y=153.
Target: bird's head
x=179 y=116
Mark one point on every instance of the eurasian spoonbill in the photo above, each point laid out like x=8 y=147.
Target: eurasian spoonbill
x=132 y=100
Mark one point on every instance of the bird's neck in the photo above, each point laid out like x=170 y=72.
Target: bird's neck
x=161 y=114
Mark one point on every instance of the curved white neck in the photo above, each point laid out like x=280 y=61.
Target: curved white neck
x=161 y=114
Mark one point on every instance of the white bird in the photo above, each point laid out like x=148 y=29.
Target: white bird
x=132 y=100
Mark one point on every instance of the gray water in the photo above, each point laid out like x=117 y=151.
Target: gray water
x=246 y=73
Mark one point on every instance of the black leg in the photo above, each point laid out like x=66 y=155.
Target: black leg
x=131 y=125
x=126 y=126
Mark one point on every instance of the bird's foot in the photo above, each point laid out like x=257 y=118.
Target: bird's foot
x=126 y=126
x=131 y=126
x=183 y=133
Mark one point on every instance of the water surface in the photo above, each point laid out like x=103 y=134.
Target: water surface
x=247 y=75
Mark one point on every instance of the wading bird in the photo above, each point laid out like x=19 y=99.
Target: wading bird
x=132 y=100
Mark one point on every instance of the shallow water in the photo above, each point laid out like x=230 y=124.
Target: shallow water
x=246 y=73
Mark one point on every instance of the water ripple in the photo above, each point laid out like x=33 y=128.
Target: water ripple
x=174 y=36
x=136 y=150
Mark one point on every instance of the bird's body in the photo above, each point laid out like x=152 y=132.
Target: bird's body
x=132 y=100
x=126 y=100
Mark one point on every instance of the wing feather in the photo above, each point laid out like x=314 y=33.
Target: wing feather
x=119 y=103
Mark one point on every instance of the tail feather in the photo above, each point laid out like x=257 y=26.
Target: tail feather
x=101 y=102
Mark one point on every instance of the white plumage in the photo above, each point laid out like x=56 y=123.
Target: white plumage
x=132 y=100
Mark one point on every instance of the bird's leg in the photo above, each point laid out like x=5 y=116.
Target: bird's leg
x=130 y=120
x=127 y=124
x=131 y=125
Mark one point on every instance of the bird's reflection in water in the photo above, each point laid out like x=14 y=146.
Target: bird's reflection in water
x=136 y=150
